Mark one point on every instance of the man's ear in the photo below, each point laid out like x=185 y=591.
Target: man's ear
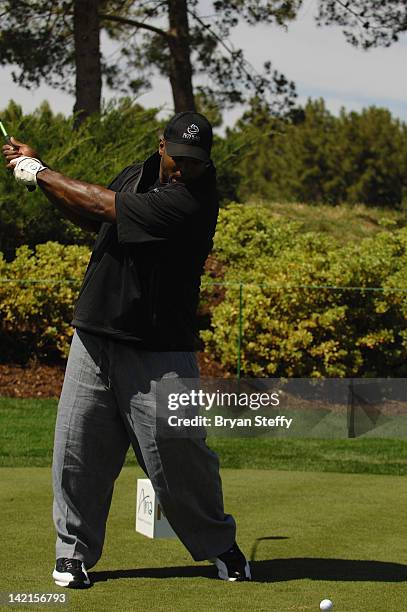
x=161 y=147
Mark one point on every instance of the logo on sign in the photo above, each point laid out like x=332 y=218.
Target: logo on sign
x=145 y=504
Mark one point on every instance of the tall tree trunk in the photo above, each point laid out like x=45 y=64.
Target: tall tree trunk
x=88 y=85
x=180 y=62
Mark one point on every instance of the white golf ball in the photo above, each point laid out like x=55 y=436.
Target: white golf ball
x=326 y=604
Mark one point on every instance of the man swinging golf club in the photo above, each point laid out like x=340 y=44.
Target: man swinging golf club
x=134 y=326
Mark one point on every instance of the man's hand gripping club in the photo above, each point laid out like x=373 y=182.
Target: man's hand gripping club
x=24 y=161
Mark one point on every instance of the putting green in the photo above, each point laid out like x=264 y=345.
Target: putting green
x=312 y=536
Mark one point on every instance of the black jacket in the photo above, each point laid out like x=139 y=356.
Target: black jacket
x=142 y=282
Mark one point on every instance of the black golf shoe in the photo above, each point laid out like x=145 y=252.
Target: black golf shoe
x=232 y=565
x=70 y=573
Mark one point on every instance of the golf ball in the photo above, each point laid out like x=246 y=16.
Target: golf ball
x=326 y=604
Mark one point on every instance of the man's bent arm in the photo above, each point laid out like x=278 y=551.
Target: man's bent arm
x=85 y=204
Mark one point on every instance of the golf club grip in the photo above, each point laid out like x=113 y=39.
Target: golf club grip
x=29 y=187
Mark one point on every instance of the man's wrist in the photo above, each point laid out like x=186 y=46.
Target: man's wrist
x=41 y=174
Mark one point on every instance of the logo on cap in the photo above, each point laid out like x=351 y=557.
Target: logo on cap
x=192 y=129
x=192 y=132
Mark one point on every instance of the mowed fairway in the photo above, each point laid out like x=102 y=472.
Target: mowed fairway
x=312 y=536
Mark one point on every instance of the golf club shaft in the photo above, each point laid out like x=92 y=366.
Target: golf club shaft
x=8 y=140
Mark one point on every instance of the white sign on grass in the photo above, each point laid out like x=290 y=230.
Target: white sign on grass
x=150 y=519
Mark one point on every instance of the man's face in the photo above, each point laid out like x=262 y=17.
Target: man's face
x=181 y=169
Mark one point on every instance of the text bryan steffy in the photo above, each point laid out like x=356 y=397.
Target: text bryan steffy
x=229 y=422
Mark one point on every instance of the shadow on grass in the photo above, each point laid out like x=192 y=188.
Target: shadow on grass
x=281 y=570
x=187 y=571
x=277 y=570
x=263 y=539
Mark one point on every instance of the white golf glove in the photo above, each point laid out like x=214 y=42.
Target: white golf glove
x=26 y=170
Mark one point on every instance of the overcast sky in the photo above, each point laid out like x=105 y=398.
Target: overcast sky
x=318 y=60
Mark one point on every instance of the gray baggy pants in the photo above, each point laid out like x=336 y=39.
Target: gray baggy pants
x=108 y=402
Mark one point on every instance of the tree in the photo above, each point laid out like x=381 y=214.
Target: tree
x=229 y=79
x=317 y=157
x=232 y=80
x=46 y=41
x=180 y=55
x=289 y=160
x=54 y=42
x=371 y=158
x=366 y=23
x=88 y=70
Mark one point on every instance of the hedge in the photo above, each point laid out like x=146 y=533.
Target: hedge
x=38 y=290
x=293 y=323
x=299 y=316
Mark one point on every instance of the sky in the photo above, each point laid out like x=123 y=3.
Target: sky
x=318 y=60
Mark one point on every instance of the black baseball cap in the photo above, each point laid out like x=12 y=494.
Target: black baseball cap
x=189 y=134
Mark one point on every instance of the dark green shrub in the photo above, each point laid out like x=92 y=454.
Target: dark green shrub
x=95 y=153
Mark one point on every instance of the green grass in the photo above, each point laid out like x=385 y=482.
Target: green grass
x=312 y=536
x=368 y=456
x=344 y=223
x=27 y=430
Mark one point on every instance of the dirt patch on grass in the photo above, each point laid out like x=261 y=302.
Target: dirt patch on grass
x=31 y=380
x=43 y=380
